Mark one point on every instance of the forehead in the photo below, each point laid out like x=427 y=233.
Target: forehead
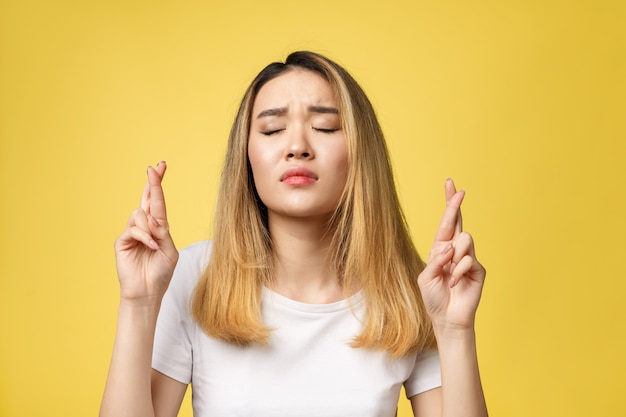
x=295 y=86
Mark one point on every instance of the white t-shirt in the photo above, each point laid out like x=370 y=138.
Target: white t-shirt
x=307 y=368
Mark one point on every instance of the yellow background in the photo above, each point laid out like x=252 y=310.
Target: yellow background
x=523 y=103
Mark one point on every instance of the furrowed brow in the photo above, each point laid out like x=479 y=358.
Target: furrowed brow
x=272 y=112
x=323 y=109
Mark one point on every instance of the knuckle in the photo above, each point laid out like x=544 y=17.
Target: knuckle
x=466 y=237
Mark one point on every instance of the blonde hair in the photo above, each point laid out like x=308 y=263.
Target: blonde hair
x=371 y=246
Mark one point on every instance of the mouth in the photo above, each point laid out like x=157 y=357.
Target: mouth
x=298 y=176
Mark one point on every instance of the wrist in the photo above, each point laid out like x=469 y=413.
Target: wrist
x=143 y=302
x=456 y=347
x=141 y=309
x=454 y=334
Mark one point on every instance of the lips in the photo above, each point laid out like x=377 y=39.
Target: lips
x=298 y=176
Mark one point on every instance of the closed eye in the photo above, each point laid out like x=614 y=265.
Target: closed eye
x=271 y=132
x=325 y=130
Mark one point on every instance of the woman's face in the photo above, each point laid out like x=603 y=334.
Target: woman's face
x=297 y=149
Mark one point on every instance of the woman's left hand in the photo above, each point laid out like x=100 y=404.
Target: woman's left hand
x=452 y=282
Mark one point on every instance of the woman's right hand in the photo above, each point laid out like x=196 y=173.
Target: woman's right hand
x=145 y=253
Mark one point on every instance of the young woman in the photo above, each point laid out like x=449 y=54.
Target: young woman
x=311 y=300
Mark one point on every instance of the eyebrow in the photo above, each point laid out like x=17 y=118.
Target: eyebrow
x=272 y=112
x=278 y=111
x=323 y=109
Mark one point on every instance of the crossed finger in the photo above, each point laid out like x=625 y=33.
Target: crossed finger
x=451 y=223
x=147 y=195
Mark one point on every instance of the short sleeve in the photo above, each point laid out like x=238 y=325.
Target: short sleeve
x=172 y=352
x=426 y=374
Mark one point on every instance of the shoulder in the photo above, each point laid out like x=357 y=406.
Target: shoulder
x=192 y=262
x=426 y=373
x=198 y=252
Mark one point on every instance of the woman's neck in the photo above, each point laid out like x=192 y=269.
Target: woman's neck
x=302 y=270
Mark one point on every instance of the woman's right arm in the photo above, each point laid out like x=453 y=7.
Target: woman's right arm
x=145 y=257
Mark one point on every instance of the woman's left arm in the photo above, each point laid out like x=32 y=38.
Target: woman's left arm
x=451 y=286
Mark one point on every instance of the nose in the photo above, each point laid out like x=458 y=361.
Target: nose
x=298 y=145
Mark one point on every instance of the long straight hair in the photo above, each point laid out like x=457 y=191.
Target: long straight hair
x=371 y=247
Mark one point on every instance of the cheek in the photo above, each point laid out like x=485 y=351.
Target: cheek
x=341 y=159
x=256 y=157
x=337 y=161
x=260 y=159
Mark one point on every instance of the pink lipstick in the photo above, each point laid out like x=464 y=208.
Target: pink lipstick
x=298 y=176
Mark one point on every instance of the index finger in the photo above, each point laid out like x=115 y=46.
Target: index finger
x=156 y=196
x=450 y=225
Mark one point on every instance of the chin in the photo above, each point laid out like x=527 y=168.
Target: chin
x=301 y=213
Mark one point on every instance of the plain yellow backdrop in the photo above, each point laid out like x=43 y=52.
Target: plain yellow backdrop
x=523 y=103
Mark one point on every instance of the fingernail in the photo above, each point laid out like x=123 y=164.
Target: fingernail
x=153 y=244
x=447 y=249
x=154 y=221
